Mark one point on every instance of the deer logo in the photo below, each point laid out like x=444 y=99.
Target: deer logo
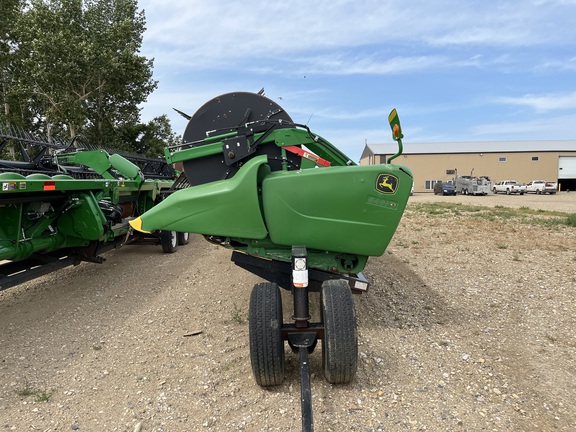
x=387 y=183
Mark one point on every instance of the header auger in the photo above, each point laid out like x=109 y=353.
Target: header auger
x=294 y=210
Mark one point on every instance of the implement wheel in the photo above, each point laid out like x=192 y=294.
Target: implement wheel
x=183 y=238
x=265 y=325
x=340 y=341
x=169 y=241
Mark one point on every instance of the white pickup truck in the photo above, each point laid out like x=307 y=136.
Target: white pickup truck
x=509 y=187
x=542 y=187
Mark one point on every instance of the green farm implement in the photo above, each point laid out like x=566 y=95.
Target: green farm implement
x=294 y=210
x=69 y=204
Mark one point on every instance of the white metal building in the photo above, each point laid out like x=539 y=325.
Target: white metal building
x=523 y=161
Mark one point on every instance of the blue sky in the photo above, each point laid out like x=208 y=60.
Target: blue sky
x=455 y=70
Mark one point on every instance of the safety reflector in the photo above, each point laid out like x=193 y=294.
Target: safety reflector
x=49 y=185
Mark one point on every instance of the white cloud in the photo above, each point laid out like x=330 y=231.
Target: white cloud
x=348 y=63
x=555 y=2
x=328 y=37
x=543 y=128
x=542 y=103
x=438 y=59
x=200 y=31
x=560 y=64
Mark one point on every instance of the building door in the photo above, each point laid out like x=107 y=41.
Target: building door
x=567 y=172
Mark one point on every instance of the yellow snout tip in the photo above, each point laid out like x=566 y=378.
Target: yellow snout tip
x=137 y=225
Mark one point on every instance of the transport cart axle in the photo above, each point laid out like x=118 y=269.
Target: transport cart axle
x=337 y=330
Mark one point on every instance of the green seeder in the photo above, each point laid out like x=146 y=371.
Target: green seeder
x=293 y=209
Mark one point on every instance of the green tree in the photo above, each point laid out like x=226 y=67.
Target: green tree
x=150 y=139
x=160 y=135
x=9 y=15
x=80 y=66
x=125 y=79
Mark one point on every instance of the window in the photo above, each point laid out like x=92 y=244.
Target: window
x=429 y=184
x=502 y=159
x=535 y=158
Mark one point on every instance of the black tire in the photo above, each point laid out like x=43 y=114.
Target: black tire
x=266 y=344
x=183 y=238
x=340 y=341
x=507 y=191
x=494 y=190
x=169 y=241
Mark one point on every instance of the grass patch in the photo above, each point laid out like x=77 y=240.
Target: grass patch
x=229 y=365
x=44 y=395
x=400 y=243
x=523 y=214
x=41 y=395
x=551 y=338
x=238 y=316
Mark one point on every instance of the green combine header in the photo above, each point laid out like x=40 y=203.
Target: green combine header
x=294 y=210
x=69 y=204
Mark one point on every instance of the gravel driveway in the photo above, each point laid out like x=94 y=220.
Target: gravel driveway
x=468 y=326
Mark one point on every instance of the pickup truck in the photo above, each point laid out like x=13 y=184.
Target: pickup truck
x=542 y=187
x=509 y=187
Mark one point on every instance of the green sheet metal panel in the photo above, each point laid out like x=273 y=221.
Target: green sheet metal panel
x=353 y=209
x=228 y=208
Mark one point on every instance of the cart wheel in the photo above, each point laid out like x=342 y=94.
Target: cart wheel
x=183 y=238
x=169 y=241
x=340 y=341
x=265 y=325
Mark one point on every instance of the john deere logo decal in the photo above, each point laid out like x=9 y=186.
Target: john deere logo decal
x=387 y=183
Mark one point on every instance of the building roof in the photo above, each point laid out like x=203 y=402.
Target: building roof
x=472 y=147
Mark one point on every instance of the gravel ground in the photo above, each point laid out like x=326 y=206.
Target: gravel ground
x=468 y=326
